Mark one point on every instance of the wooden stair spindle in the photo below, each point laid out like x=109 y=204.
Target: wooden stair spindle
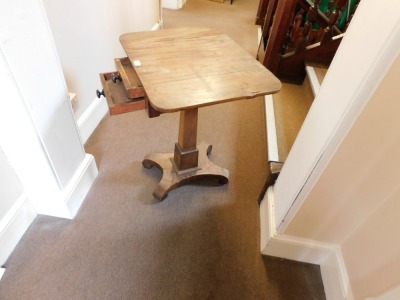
x=328 y=31
x=296 y=32
x=303 y=41
x=299 y=30
x=331 y=5
x=280 y=27
x=269 y=15
x=261 y=12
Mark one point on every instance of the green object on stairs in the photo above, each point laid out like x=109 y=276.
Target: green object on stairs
x=324 y=5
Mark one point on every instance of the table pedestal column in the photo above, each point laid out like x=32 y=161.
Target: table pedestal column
x=188 y=163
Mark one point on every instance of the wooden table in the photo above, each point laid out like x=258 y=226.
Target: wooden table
x=182 y=69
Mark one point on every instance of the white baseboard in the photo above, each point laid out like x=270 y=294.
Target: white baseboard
x=328 y=256
x=173 y=4
x=157 y=26
x=314 y=82
x=14 y=224
x=80 y=184
x=334 y=276
x=270 y=127
x=92 y=116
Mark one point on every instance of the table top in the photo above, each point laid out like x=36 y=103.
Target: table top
x=184 y=68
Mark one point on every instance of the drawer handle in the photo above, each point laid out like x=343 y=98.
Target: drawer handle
x=99 y=94
x=114 y=78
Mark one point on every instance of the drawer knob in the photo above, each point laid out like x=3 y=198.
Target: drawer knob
x=99 y=94
x=114 y=78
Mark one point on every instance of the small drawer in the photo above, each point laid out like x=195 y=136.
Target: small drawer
x=133 y=86
x=117 y=98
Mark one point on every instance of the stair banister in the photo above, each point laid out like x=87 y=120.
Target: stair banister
x=328 y=31
x=269 y=15
x=280 y=26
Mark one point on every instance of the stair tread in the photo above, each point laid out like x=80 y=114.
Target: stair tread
x=321 y=72
x=291 y=106
x=316 y=74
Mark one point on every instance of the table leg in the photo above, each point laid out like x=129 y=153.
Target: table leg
x=172 y=179
x=188 y=163
x=186 y=155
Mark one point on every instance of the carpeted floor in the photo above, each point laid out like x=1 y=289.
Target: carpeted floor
x=201 y=242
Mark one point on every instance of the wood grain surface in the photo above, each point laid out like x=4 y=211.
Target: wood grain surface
x=184 y=68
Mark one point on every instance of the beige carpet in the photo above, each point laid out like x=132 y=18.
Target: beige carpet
x=201 y=242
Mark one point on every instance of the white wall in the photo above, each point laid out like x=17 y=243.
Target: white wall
x=43 y=166
x=11 y=187
x=356 y=201
x=16 y=214
x=29 y=51
x=340 y=186
x=86 y=33
x=38 y=134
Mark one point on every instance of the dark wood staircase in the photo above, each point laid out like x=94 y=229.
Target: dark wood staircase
x=297 y=38
x=298 y=31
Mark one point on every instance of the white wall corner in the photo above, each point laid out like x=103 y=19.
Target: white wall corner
x=80 y=185
x=328 y=256
x=267 y=213
x=68 y=200
x=334 y=276
x=14 y=225
x=92 y=116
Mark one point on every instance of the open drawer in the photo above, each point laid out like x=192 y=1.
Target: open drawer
x=124 y=91
x=127 y=74
x=117 y=99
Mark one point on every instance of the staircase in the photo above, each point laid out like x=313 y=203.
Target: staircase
x=294 y=32
x=298 y=40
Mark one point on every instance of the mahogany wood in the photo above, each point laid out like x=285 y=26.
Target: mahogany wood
x=194 y=67
x=151 y=111
x=334 y=16
x=186 y=153
x=171 y=179
x=269 y=17
x=292 y=67
x=183 y=69
x=294 y=30
x=117 y=100
x=133 y=86
x=261 y=11
x=283 y=16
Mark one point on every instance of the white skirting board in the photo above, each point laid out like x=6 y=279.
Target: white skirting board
x=17 y=220
x=14 y=224
x=328 y=256
x=80 y=184
x=173 y=4
x=270 y=127
x=92 y=116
